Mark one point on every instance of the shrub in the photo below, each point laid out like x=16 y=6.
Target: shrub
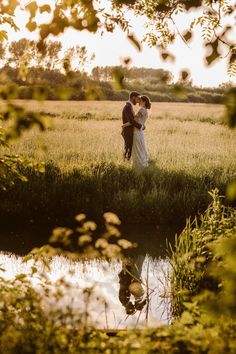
x=192 y=256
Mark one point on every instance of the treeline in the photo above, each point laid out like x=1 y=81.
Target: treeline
x=30 y=72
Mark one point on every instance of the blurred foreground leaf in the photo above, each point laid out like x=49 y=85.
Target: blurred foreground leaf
x=230 y=103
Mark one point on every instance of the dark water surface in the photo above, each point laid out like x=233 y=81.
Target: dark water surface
x=151 y=240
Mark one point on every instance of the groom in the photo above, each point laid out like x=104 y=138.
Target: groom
x=128 y=115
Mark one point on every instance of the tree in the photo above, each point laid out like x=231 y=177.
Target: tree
x=2 y=54
x=76 y=57
x=48 y=57
x=21 y=52
x=159 y=75
x=2 y=51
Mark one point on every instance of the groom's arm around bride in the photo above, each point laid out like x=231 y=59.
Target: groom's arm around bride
x=129 y=116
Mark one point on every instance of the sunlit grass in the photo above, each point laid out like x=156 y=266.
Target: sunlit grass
x=190 y=153
x=102 y=110
x=173 y=144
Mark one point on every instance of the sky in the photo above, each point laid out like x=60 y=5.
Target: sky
x=111 y=48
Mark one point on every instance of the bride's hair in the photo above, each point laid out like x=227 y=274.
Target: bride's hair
x=147 y=101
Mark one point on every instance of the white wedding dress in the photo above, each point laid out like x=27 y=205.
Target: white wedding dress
x=139 y=150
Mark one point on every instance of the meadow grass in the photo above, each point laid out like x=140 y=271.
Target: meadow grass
x=190 y=153
x=111 y=110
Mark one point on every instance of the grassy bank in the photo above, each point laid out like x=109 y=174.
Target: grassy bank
x=193 y=260
x=155 y=196
x=190 y=153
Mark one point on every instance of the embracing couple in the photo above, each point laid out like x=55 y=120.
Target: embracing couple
x=133 y=129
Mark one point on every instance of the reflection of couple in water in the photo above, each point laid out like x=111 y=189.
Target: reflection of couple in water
x=131 y=293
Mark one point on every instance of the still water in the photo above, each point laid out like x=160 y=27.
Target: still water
x=122 y=295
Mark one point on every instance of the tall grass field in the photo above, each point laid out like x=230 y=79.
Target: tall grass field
x=190 y=150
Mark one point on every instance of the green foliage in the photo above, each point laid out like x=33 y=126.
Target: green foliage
x=162 y=29
x=16 y=120
x=30 y=324
x=193 y=260
x=154 y=197
x=105 y=83
x=11 y=170
x=231 y=107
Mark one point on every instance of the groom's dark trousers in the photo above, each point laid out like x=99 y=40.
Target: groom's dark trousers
x=127 y=132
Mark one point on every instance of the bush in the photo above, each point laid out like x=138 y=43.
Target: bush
x=193 y=254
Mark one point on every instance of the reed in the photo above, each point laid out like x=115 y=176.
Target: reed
x=192 y=254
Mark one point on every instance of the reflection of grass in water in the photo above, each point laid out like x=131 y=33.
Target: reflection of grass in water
x=85 y=171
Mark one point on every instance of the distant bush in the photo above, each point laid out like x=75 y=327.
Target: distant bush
x=196 y=98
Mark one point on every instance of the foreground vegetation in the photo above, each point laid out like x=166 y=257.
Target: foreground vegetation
x=190 y=152
x=205 y=324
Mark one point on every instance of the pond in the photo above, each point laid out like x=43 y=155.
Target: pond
x=151 y=240
x=134 y=293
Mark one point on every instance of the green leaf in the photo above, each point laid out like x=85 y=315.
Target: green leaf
x=187 y=36
x=214 y=52
x=45 y=8
x=80 y=217
x=135 y=42
x=64 y=93
x=20 y=276
x=27 y=258
x=40 y=93
x=111 y=218
x=3 y=36
x=82 y=240
x=167 y=56
x=231 y=191
x=230 y=103
x=32 y=8
x=184 y=75
x=186 y=318
x=34 y=270
x=31 y=26
x=119 y=79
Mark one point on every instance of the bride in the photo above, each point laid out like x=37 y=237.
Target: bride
x=139 y=152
